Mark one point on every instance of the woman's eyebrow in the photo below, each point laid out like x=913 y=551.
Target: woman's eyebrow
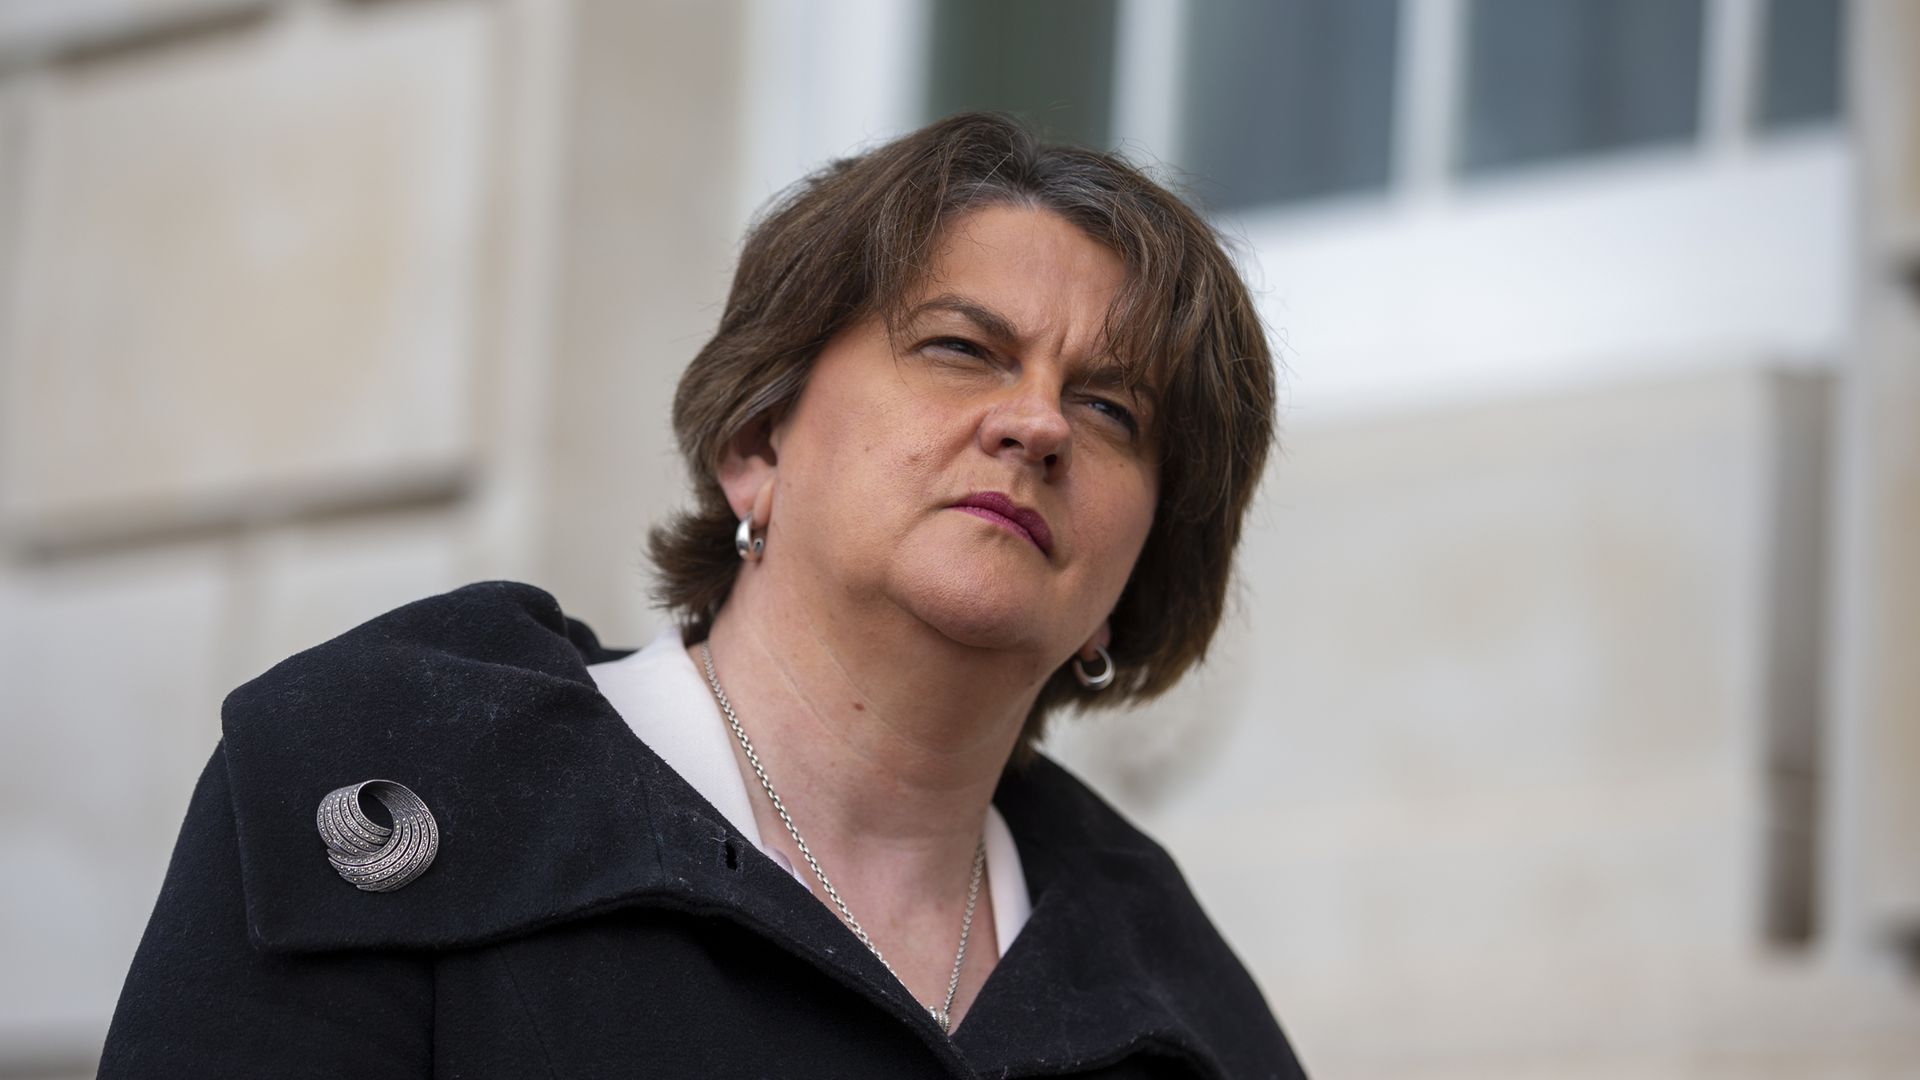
x=990 y=322
x=1105 y=375
x=1110 y=376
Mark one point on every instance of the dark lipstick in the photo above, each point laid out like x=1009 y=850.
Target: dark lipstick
x=1001 y=510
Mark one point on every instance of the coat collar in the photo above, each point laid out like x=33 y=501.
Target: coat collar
x=550 y=809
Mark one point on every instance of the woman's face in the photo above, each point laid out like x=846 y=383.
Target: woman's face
x=983 y=469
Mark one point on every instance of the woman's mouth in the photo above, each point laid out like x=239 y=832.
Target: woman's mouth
x=1002 y=511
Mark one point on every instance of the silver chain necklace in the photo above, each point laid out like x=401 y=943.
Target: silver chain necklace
x=943 y=1013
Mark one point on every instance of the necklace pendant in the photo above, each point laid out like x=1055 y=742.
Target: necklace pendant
x=940 y=1017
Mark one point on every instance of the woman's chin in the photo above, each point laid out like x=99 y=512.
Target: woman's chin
x=983 y=611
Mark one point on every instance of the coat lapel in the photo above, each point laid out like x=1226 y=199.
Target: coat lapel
x=1117 y=957
x=480 y=702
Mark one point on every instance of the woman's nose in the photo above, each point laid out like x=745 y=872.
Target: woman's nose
x=1029 y=424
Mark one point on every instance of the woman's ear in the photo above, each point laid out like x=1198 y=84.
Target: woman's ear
x=747 y=469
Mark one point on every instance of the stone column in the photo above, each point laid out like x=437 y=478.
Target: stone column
x=1874 y=801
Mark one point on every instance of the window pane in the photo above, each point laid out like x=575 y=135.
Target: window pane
x=1558 y=78
x=1800 y=74
x=1050 y=63
x=1288 y=99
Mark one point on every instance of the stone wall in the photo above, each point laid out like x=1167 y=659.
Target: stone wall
x=309 y=308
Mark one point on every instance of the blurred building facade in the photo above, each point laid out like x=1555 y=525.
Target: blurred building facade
x=1568 y=724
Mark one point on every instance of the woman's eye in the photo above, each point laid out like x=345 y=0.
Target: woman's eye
x=1118 y=411
x=958 y=345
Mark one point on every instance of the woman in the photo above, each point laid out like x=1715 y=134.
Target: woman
x=973 y=441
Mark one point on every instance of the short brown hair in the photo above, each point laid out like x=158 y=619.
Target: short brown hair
x=854 y=239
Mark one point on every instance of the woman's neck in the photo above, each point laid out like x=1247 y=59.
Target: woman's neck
x=883 y=731
x=885 y=746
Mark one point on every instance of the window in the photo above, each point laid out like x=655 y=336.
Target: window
x=1286 y=101
x=1289 y=99
x=1050 y=63
x=1800 y=69
x=1550 y=79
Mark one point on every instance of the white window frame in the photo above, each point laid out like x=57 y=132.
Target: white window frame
x=1733 y=249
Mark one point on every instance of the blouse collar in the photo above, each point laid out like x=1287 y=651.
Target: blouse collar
x=665 y=700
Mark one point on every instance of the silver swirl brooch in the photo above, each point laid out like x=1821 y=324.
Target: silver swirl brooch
x=370 y=855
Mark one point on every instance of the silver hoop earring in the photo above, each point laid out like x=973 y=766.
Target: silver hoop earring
x=749 y=546
x=1095 y=682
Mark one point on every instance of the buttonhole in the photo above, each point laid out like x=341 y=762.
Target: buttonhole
x=733 y=856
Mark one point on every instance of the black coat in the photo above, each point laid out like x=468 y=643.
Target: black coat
x=589 y=914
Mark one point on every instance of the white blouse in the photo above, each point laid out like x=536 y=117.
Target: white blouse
x=665 y=699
